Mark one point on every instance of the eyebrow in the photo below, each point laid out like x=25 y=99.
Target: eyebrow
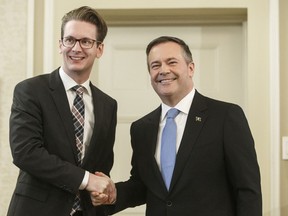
x=172 y=58
x=154 y=62
x=168 y=59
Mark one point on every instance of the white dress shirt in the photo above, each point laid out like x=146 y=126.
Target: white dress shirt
x=68 y=83
x=183 y=106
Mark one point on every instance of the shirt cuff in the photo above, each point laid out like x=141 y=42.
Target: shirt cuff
x=84 y=181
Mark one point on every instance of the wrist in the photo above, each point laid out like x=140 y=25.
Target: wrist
x=85 y=181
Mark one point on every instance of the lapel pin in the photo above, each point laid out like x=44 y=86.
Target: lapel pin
x=198 y=119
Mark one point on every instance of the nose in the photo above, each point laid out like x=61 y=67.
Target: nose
x=77 y=46
x=164 y=71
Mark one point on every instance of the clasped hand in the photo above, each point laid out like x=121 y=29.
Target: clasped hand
x=102 y=189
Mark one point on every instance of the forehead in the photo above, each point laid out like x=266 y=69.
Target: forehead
x=80 y=29
x=164 y=51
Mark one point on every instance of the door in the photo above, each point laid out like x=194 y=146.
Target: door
x=219 y=57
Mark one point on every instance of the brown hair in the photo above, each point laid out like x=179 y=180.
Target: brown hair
x=86 y=14
x=164 y=39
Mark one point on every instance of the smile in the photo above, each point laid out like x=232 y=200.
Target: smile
x=75 y=58
x=164 y=81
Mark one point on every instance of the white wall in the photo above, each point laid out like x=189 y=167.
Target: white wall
x=13 y=28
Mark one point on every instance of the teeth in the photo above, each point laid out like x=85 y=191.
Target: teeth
x=76 y=58
x=166 y=80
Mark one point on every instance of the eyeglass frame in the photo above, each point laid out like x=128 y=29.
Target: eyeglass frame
x=79 y=40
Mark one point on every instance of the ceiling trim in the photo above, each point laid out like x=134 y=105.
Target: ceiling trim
x=184 y=16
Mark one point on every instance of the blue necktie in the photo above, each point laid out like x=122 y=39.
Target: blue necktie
x=168 y=146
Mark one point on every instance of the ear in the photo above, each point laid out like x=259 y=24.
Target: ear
x=191 y=67
x=99 y=50
x=60 y=47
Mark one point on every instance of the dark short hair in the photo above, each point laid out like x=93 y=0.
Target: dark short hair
x=164 y=39
x=86 y=14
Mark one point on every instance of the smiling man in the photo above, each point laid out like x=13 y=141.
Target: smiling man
x=171 y=71
x=62 y=128
x=192 y=155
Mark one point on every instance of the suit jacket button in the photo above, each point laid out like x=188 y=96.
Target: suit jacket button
x=169 y=203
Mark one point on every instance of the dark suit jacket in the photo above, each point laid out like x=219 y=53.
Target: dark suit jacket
x=216 y=171
x=43 y=146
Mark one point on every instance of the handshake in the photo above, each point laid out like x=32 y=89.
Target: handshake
x=102 y=189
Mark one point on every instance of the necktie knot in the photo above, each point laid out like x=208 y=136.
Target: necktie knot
x=79 y=90
x=172 y=113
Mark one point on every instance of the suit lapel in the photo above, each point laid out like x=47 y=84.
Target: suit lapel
x=61 y=102
x=98 y=121
x=195 y=121
x=152 y=129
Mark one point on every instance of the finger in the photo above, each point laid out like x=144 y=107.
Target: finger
x=94 y=193
x=99 y=200
x=101 y=174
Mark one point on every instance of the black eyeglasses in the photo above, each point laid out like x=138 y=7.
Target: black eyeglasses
x=85 y=43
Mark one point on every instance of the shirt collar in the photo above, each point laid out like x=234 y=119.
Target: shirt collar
x=183 y=105
x=68 y=82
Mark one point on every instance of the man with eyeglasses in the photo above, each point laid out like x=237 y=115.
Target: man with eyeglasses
x=62 y=129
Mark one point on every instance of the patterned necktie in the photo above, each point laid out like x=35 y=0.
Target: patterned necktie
x=168 y=147
x=78 y=113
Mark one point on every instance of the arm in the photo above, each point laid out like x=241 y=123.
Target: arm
x=106 y=126
x=130 y=193
x=242 y=165
x=45 y=158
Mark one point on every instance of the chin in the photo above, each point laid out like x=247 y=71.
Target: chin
x=165 y=93
x=75 y=68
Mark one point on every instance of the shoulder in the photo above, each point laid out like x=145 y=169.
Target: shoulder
x=217 y=106
x=33 y=80
x=37 y=81
x=150 y=118
x=101 y=95
x=32 y=85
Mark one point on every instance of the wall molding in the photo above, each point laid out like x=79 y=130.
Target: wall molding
x=274 y=73
x=30 y=38
x=48 y=64
x=179 y=16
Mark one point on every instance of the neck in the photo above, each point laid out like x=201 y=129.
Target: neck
x=78 y=77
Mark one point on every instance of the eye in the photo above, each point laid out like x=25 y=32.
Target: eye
x=86 y=41
x=172 y=62
x=155 y=66
x=69 y=40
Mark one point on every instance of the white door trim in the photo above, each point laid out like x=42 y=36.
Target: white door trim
x=30 y=38
x=48 y=41
x=274 y=70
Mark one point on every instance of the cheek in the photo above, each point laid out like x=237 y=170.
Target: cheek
x=153 y=75
x=63 y=50
x=60 y=49
x=154 y=86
